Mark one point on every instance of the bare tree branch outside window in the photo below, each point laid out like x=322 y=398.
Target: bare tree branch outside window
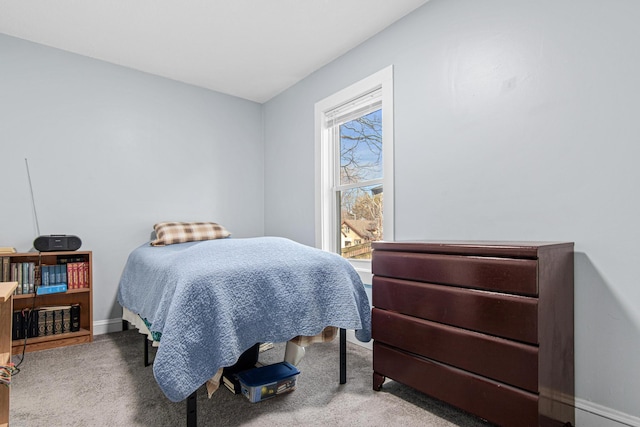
x=361 y=148
x=361 y=162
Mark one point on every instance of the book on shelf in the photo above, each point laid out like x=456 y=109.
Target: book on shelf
x=76 y=270
x=71 y=271
x=42 y=324
x=17 y=325
x=84 y=280
x=59 y=319
x=25 y=324
x=44 y=275
x=232 y=383
x=53 y=274
x=66 y=320
x=32 y=323
x=58 y=269
x=52 y=289
x=57 y=315
x=37 y=277
x=25 y=273
x=14 y=277
x=75 y=318
x=25 y=277
x=78 y=273
x=6 y=269
x=32 y=277
x=45 y=321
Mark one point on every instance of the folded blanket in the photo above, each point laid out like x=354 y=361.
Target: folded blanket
x=212 y=300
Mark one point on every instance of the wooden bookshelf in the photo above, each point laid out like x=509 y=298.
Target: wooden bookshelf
x=81 y=296
x=6 y=309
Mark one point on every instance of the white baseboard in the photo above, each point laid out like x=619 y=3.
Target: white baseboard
x=590 y=414
x=351 y=337
x=107 y=326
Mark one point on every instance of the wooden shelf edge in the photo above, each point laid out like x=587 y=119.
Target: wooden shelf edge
x=6 y=290
x=68 y=291
x=52 y=341
x=37 y=254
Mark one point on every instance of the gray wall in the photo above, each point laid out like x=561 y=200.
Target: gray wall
x=113 y=151
x=514 y=120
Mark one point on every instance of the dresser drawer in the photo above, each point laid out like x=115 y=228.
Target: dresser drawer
x=511 y=275
x=491 y=400
x=503 y=315
x=496 y=358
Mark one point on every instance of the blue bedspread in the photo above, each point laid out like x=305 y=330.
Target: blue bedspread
x=213 y=300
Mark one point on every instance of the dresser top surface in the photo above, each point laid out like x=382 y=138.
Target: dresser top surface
x=473 y=247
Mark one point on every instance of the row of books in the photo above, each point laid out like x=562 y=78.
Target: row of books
x=74 y=272
x=43 y=321
x=24 y=273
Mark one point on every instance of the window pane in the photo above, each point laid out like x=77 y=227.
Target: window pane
x=360 y=220
x=361 y=148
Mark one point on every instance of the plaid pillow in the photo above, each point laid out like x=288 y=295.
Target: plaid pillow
x=168 y=233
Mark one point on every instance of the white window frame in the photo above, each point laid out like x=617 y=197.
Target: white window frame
x=326 y=203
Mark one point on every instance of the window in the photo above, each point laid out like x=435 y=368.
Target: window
x=354 y=167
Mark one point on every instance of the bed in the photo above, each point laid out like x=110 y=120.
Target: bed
x=209 y=301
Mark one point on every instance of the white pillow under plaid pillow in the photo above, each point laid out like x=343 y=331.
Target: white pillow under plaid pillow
x=168 y=233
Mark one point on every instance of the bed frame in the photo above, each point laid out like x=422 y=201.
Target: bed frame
x=192 y=409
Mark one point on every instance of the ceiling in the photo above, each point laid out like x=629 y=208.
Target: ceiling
x=253 y=49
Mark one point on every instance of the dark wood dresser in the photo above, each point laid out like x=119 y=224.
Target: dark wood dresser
x=484 y=326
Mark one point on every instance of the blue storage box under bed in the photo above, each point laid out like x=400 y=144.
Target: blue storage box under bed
x=268 y=381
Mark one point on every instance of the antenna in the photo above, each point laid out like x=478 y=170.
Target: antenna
x=33 y=201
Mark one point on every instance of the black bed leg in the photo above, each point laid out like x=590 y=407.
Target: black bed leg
x=146 y=351
x=125 y=325
x=192 y=410
x=343 y=356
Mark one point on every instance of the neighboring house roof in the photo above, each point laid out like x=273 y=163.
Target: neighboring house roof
x=362 y=227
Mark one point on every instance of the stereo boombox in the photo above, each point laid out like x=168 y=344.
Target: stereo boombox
x=57 y=242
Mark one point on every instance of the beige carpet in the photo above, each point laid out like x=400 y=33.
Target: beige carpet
x=104 y=383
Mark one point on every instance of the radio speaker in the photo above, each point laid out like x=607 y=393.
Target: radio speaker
x=57 y=242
